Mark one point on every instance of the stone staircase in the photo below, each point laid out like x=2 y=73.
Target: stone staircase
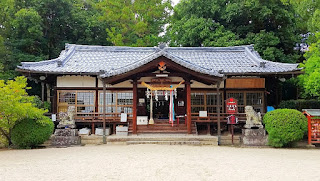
x=173 y=139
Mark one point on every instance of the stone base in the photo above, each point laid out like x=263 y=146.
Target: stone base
x=254 y=137
x=66 y=126
x=65 y=140
x=66 y=132
x=65 y=137
x=254 y=126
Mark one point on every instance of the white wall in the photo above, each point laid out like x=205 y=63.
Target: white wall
x=196 y=84
x=76 y=81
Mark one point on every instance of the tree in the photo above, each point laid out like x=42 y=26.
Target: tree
x=310 y=80
x=195 y=31
x=15 y=105
x=307 y=13
x=238 y=22
x=35 y=30
x=26 y=37
x=135 y=23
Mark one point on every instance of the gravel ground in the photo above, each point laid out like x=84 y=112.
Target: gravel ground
x=159 y=162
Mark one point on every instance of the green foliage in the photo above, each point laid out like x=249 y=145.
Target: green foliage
x=311 y=77
x=135 y=23
x=41 y=105
x=299 y=104
x=30 y=133
x=285 y=127
x=35 y=30
x=307 y=13
x=3 y=141
x=270 y=25
x=16 y=105
x=195 y=31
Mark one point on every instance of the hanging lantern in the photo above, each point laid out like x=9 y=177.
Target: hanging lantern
x=148 y=93
x=156 y=95
x=175 y=93
x=166 y=96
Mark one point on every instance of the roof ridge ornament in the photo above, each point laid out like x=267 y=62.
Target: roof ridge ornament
x=263 y=64
x=66 y=46
x=59 y=63
x=162 y=46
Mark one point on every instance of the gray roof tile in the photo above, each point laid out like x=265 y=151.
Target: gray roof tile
x=117 y=60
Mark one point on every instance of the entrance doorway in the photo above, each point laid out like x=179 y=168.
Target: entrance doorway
x=160 y=108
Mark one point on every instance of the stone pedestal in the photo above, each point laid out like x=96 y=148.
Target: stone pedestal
x=254 y=137
x=253 y=126
x=66 y=137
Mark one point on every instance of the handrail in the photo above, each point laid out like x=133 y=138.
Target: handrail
x=213 y=117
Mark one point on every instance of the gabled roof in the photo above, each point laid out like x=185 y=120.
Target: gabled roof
x=114 y=60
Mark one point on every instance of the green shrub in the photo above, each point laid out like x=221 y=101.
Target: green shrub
x=299 y=104
x=285 y=127
x=30 y=133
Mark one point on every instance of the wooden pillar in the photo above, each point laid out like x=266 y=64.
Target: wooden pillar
x=104 y=112
x=96 y=104
x=309 y=130
x=134 y=107
x=96 y=107
x=218 y=111
x=92 y=128
x=188 y=96
x=54 y=105
x=42 y=91
x=48 y=93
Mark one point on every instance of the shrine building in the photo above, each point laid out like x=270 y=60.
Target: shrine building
x=142 y=81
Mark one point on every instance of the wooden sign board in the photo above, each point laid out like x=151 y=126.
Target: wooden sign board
x=231 y=106
x=244 y=83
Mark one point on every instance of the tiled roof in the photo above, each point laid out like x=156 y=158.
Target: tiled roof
x=113 y=60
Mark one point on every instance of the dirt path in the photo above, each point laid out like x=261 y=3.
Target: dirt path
x=160 y=162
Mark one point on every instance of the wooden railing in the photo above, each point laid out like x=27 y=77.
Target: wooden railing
x=213 y=117
x=115 y=117
x=98 y=117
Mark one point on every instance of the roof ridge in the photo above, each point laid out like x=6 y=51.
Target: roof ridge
x=64 y=58
x=108 y=48
x=233 y=48
x=253 y=57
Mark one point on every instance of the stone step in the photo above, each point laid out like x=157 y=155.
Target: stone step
x=162 y=138
x=227 y=140
x=164 y=142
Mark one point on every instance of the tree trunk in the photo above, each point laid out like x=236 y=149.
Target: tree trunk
x=7 y=135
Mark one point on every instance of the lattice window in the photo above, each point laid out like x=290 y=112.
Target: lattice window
x=117 y=101
x=205 y=101
x=84 y=101
x=197 y=98
x=248 y=98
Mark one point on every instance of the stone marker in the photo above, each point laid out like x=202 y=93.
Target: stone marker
x=254 y=134
x=66 y=135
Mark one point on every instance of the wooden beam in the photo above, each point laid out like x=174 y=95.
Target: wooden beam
x=188 y=95
x=92 y=88
x=134 y=107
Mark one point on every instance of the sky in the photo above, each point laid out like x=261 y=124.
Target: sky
x=175 y=2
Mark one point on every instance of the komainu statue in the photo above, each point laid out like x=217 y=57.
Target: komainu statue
x=67 y=118
x=253 y=118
